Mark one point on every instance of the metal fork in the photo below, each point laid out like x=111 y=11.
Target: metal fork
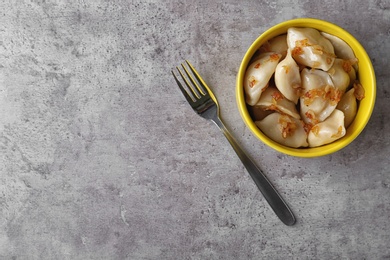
x=203 y=101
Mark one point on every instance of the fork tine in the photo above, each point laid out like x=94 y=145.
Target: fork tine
x=183 y=90
x=200 y=90
x=198 y=77
x=188 y=84
x=194 y=89
x=202 y=83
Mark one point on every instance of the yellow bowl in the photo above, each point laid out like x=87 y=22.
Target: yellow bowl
x=366 y=76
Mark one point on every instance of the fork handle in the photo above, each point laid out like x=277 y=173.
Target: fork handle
x=276 y=202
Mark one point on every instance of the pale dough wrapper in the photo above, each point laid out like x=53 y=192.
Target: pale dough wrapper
x=339 y=73
x=272 y=99
x=341 y=48
x=320 y=97
x=277 y=44
x=348 y=105
x=327 y=131
x=288 y=78
x=284 y=129
x=258 y=75
x=310 y=48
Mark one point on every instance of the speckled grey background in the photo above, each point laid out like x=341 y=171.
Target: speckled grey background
x=101 y=157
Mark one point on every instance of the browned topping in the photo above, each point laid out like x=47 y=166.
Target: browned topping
x=333 y=95
x=298 y=89
x=286 y=68
x=312 y=117
x=307 y=127
x=276 y=95
x=287 y=126
x=318 y=49
x=257 y=65
x=359 y=90
x=315 y=130
x=347 y=66
x=274 y=57
x=310 y=95
x=297 y=51
x=302 y=43
x=339 y=132
x=252 y=81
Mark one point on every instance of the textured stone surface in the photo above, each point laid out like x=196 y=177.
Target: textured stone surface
x=101 y=157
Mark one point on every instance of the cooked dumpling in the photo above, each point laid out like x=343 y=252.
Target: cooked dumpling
x=341 y=48
x=310 y=48
x=272 y=99
x=284 y=129
x=328 y=131
x=288 y=78
x=339 y=75
x=320 y=97
x=348 y=105
x=258 y=75
x=277 y=44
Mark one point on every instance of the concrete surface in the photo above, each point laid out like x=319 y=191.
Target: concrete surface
x=101 y=157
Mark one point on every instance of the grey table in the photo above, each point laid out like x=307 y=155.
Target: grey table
x=100 y=154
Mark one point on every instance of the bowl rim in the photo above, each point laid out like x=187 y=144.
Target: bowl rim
x=353 y=130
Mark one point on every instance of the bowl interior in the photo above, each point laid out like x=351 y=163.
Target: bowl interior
x=365 y=75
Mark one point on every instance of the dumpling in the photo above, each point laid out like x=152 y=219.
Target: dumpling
x=284 y=129
x=320 y=97
x=310 y=48
x=288 y=78
x=348 y=105
x=277 y=44
x=341 y=48
x=339 y=75
x=258 y=75
x=272 y=99
x=328 y=131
